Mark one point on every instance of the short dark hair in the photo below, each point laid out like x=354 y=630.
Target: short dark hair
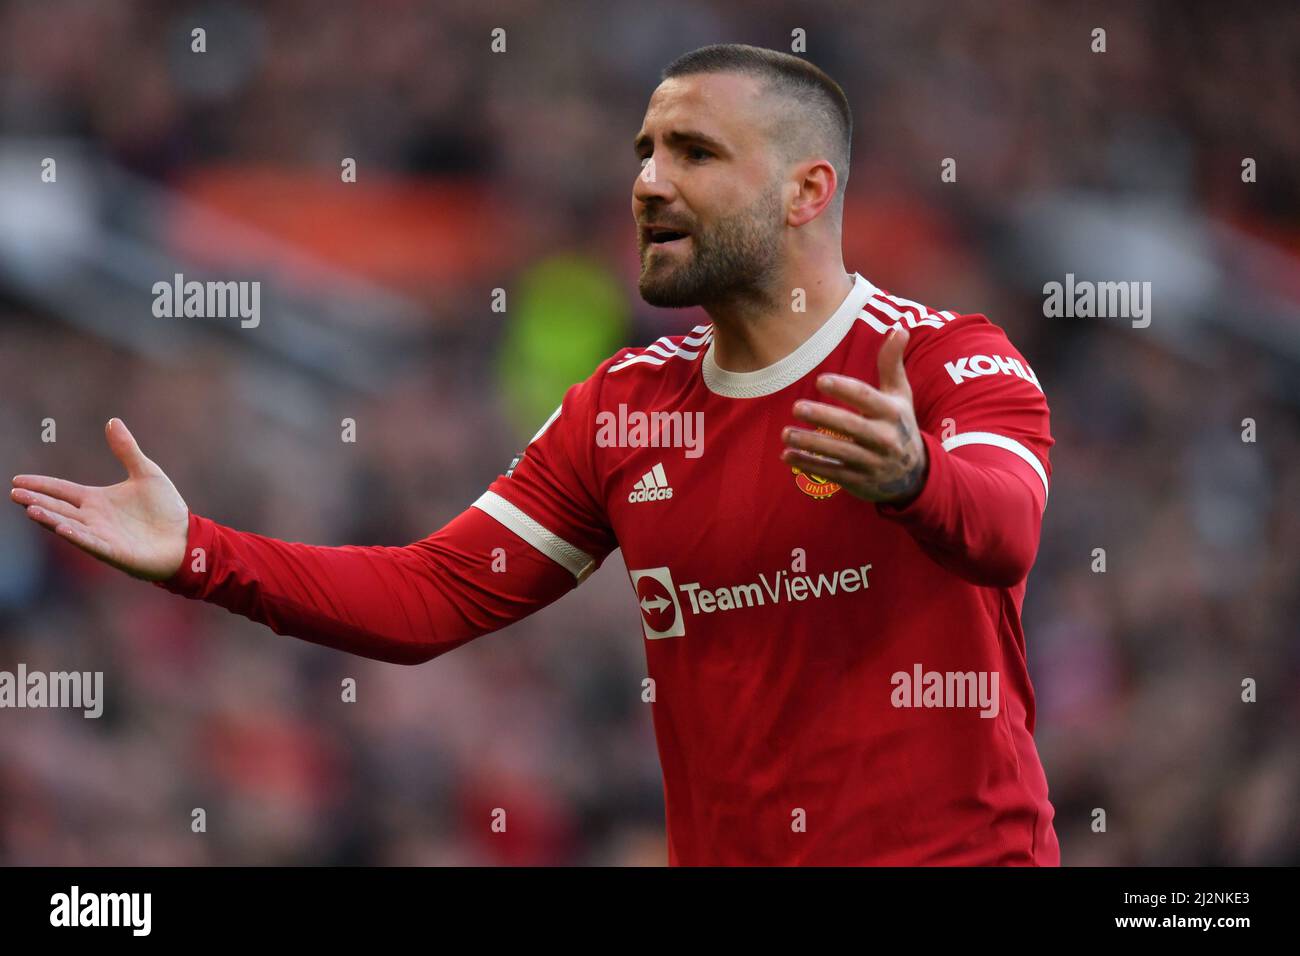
x=821 y=99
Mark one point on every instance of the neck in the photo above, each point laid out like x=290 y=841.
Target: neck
x=763 y=328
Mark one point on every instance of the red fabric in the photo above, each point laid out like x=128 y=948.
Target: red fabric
x=403 y=605
x=775 y=621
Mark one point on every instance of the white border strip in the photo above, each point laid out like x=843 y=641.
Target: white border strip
x=633 y=360
x=786 y=371
x=1000 y=441
x=578 y=562
x=547 y=424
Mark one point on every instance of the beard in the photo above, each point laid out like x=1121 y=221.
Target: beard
x=734 y=258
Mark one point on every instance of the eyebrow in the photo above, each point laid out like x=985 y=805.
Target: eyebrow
x=678 y=137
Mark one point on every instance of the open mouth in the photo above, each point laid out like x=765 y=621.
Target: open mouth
x=665 y=238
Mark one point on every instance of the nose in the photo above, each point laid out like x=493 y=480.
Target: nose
x=653 y=185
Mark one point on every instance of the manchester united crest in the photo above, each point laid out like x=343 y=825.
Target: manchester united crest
x=815 y=486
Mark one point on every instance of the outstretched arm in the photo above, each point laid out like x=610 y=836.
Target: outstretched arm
x=399 y=604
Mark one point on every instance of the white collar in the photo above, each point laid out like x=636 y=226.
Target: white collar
x=797 y=364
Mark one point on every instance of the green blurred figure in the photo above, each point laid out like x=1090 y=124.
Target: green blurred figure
x=568 y=315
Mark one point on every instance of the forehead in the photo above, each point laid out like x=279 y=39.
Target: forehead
x=728 y=106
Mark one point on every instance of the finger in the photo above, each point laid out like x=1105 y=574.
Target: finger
x=67 y=491
x=869 y=432
x=837 y=450
x=49 y=519
x=858 y=395
x=25 y=497
x=71 y=529
x=893 y=377
x=813 y=464
x=124 y=448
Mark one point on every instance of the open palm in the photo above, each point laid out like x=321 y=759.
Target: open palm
x=138 y=525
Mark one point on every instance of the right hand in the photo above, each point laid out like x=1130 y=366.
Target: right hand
x=140 y=525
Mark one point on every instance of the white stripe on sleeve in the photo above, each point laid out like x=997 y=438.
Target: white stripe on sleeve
x=1000 y=441
x=577 y=561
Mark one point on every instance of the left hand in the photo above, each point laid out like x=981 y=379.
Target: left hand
x=885 y=459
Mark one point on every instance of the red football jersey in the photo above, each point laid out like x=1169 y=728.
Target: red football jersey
x=834 y=681
x=800 y=640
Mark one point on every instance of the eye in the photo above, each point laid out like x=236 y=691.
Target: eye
x=697 y=153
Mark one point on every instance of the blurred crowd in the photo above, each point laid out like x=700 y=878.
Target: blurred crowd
x=1138 y=668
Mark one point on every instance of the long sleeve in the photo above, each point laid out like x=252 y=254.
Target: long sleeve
x=405 y=605
x=975 y=518
x=986 y=426
x=535 y=534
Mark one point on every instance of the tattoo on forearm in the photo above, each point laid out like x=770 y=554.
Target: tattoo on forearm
x=913 y=467
x=906 y=483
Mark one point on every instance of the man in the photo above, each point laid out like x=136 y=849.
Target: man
x=829 y=581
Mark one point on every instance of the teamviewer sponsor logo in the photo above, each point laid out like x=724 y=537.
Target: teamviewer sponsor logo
x=661 y=611
x=661 y=615
x=653 y=486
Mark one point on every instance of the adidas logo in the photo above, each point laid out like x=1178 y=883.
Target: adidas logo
x=653 y=486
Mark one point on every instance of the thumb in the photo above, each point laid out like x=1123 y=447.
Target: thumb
x=124 y=448
x=893 y=378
